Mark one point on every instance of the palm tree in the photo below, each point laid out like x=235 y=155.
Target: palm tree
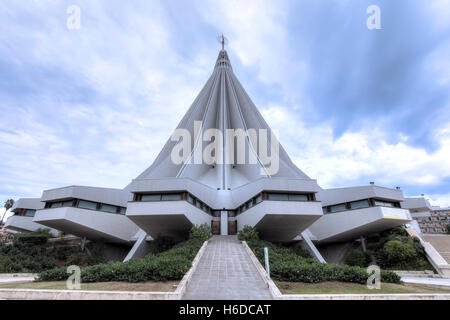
x=8 y=205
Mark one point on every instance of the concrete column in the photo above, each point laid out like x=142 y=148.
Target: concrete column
x=224 y=223
x=363 y=243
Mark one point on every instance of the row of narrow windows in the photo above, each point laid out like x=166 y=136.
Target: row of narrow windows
x=25 y=212
x=273 y=196
x=360 y=204
x=182 y=196
x=186 y=196
x=88 y=205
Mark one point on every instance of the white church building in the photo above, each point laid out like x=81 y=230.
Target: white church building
x=227 y=193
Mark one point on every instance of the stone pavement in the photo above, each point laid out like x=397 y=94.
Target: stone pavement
x=225 y=272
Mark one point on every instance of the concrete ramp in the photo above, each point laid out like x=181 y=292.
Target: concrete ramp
x=441 y=243
x=225 y=272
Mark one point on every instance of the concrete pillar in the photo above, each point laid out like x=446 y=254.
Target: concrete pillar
x=224 y=223
x=363 y=243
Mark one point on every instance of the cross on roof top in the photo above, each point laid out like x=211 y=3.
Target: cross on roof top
x=223 y=41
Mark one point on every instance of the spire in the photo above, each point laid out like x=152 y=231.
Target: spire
x=222 y=104
x=222 y=59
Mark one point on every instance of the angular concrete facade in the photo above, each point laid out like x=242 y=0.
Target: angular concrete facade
x=227 y=193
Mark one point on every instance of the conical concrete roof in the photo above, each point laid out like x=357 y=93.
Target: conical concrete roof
x=222 y=104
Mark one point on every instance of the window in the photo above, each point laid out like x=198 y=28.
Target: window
x=122 y=210
x=151 y=197
x=384 y=203
x=278 y=197
x=55 y=205
x=298 y=197
x=338 y=208
x=190 y=199
x=258 y=199
x=30 y=213
x=87 y=205
x=359 y=204
x=108 y=208
x=325 y=210
x=171 y=197
x=67 y=203
x=249 y=204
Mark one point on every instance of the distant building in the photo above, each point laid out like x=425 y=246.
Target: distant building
x=432 y=220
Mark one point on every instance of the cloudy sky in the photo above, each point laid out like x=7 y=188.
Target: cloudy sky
x=93 y=106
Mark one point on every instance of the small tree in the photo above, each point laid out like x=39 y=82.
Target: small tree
x=8 y=205
x=448 y=228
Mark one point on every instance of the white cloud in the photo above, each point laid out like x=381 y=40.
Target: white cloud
x=441 y=200
x=359 y=154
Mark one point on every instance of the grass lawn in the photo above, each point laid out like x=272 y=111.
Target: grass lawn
x=167 y=286
x=352 y=288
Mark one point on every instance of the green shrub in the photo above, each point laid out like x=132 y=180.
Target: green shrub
x=447 y=228
x=36 y=238
x=402 y=253
x=168 y=265
x=202 y=232
x=357 y=258
x=300 y=251
x=248 y=234
x=286 y=265
x=162 y=243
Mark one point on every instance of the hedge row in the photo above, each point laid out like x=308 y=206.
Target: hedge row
x=285 y=265
x=168 y=265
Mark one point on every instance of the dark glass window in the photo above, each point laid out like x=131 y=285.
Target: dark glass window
x=278 y=197
x=171 y=197
x=359 y=204
x=122 y=210
x=151 y=197
x=108 y=208
x=87 y=205
x=338 y=208
x=56 y=205
x=30 y=213
x=67 y=203
x=298 y=197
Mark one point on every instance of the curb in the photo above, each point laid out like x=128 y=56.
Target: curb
x=274 y=291
x=181 y=289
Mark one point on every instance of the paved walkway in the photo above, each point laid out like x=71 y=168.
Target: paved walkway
x=225 y=272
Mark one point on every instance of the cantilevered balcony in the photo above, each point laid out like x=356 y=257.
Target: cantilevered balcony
x=94 y=225
x=24 y=211
x=95 y=213
x=280 y=220
x=166 y=218
x=349 y=225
